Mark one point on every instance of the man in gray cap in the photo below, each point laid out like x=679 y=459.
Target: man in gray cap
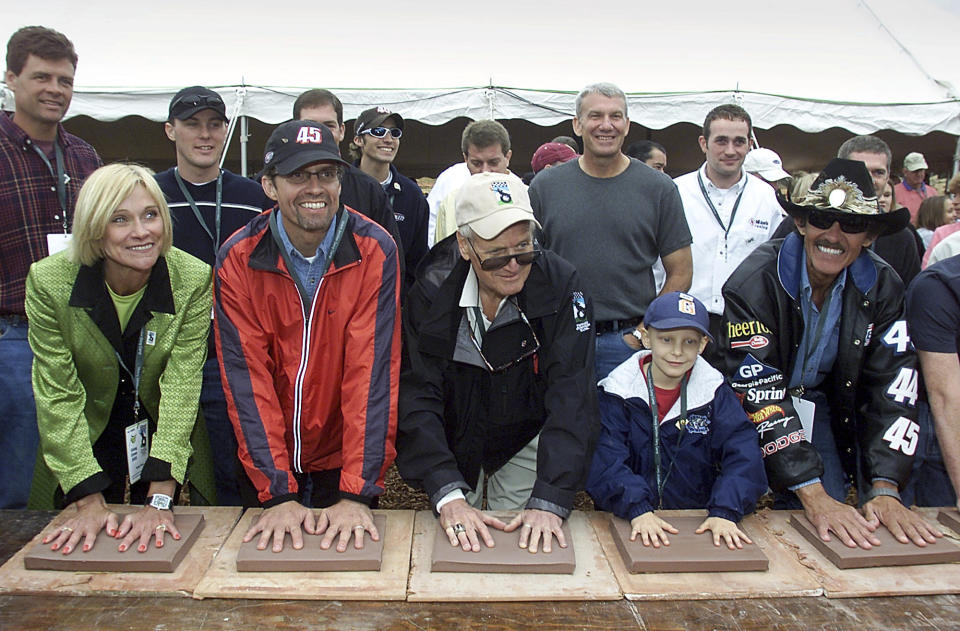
x=498 y=386
x=308 y=334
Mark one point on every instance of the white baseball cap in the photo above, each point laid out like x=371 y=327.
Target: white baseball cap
x=765 y=163
x=492 y=202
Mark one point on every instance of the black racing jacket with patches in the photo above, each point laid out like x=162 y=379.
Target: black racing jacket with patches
x=872 y=389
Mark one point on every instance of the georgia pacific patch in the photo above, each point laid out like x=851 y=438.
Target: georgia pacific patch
x=580 y=320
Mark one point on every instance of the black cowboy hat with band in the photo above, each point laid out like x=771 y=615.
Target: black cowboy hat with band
x=844 y=192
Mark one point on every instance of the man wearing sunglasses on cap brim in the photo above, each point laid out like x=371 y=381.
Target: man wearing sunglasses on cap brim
x=376 y=142
x=497 y=385
x=817 y=320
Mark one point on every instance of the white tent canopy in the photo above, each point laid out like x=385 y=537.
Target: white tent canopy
x=861 y=65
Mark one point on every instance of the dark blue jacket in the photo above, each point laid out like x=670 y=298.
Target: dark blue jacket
x=715 y=464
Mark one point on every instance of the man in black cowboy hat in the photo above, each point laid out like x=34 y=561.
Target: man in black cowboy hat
x=815 y=342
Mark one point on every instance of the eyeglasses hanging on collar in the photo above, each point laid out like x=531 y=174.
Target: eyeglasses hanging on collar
x=529 y=350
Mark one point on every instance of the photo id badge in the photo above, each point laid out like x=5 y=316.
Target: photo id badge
x=56 y=242
x=805 y=410
x=138 y=448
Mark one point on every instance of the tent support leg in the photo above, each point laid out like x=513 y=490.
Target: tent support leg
x=244 y=137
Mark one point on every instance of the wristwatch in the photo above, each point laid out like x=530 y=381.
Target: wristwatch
x=876 y=492
x=160 y=501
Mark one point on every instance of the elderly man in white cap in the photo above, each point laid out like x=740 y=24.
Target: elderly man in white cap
x=766 y=165
x=911 y=192
x=497 y=385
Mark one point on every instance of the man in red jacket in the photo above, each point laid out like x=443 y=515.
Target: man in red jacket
x=308 y=335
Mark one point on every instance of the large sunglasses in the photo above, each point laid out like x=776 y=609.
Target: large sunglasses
x=380 y=132
x=496 y=262
x=850 y=224
x=196 y=101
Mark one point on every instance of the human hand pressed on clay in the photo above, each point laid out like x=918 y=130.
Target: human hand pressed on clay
x=90 y=517
x=537 y=525
x=277 y=521
x=726 y=530
x=474 y=525
x=651 y=529
x=346 y=517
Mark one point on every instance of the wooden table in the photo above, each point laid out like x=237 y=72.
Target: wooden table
x=780 y=614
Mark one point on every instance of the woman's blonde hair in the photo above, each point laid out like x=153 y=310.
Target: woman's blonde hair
x=101 y=195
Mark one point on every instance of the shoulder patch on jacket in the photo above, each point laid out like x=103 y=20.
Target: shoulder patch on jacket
x=580 y=320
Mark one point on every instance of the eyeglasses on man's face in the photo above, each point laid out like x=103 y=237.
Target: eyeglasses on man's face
x=326 y=175
x=380 y=132
x=493 y=263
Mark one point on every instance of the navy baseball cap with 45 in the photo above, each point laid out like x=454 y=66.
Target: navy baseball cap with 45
x=678 y=310
x=295 y=144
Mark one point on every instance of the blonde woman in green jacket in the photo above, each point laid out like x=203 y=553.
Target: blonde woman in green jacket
x=118 y=328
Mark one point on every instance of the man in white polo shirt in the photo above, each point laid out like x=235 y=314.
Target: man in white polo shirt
x=733 y=211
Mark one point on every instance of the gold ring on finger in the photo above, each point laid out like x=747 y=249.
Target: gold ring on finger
x=66 y=529
x=459 y=529
x=162 y=527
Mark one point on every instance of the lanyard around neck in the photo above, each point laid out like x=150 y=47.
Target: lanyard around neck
x=60 y=176
x=214 y=236
x=661 y=477
x=135 y=375
x=713 y=209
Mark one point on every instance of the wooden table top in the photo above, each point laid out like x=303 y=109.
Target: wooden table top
x=132 y=612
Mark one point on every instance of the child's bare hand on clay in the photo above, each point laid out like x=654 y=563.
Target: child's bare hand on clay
x=726 y=530
x=652 y=530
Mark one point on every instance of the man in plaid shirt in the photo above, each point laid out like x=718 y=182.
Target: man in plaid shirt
x=41 y=170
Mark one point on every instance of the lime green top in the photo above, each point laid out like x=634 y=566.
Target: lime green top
x=125 y=304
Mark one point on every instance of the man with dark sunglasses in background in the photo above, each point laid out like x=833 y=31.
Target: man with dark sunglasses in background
x=497 y=387
x=375 y=145
x=207 y=205
x=814 y=341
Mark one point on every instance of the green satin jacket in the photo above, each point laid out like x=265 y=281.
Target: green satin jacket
x=75 y=370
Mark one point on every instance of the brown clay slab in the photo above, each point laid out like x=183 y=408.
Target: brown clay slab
x=506 y=557
x=222 y=580
x=105 y=557
x=907 y=580
x=218 y=522
x=784 y=577
x=311 y=557
x=687 y=552
x=591 y=579
x=890 y=553
x=950 y=518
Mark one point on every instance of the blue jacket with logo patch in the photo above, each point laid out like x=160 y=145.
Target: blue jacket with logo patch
x=714 y=462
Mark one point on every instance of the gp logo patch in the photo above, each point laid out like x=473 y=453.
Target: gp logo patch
x=686 y=305
x=580 y=321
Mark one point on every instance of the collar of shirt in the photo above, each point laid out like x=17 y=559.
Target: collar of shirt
x=470 y=303
x=722 y=192
x=922 y=189
x=309 y=270
x=822 y=356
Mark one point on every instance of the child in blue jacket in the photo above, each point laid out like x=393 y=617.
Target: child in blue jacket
x=706 y=455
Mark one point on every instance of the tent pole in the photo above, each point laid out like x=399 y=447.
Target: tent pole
x=244 y=136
